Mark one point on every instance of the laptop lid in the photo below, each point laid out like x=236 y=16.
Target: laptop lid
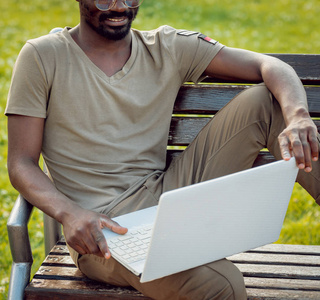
x=211 y=220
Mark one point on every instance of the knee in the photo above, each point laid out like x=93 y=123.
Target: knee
x=218 y=280
x=236 y=284
x=229 y=283
x=256 y=99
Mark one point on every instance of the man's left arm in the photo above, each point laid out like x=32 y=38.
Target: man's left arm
x=300 y=136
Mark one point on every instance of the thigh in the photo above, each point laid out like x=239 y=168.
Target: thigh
x=231 y=141
x=217 y=280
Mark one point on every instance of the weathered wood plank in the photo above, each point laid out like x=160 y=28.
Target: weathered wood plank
x=61 y=260
x=204 y=99
x=60 y=249
x=284 y=284
x=263 y=157
x=266 y=294
x=290 y=249
x=251 y=267
x=280 y=259
x=256 y=288
x=183 y=130
x=59 y=273
x=307 y=66
x=277 y=271
x=41 y=289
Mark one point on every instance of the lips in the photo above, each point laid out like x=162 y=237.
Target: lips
x=115 y=19
x=119 y=21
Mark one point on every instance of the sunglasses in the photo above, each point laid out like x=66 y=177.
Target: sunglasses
x=105 y=5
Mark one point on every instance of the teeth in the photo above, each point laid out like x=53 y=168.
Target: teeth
x=116 y=20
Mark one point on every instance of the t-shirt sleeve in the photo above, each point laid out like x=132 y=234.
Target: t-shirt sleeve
x=29 y=90
x=192 y=51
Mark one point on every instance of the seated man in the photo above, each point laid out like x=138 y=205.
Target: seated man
x=96 y=100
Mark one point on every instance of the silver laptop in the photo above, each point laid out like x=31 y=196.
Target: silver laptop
x=204 y=222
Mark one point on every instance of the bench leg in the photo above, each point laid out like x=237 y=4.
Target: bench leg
x=19 y=279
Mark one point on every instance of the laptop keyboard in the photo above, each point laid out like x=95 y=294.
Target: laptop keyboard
x=132 y=246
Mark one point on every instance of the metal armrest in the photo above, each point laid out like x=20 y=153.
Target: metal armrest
x=17 y=227
x=18 y=234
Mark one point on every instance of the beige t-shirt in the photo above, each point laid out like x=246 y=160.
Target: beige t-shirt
x=103 y=135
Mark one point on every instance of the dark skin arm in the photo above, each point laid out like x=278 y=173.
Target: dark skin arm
x=299 y=138
x=82 y=228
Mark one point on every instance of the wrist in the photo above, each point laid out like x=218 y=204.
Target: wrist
x=66 y=210
x=297 y=115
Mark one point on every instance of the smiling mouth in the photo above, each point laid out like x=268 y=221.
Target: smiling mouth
x=117 y=19
x=120 y=21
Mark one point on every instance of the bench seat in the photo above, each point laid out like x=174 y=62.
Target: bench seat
x=271 y=272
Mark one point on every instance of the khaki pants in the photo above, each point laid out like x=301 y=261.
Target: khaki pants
x=230 y=142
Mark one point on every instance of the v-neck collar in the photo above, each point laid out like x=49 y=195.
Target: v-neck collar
x=110 y=79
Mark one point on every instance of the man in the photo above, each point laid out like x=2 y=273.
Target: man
x=96 y=101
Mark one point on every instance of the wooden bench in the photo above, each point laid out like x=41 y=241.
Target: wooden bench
x=271 y=272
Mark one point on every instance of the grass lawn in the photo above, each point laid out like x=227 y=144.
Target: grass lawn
x=280 y=26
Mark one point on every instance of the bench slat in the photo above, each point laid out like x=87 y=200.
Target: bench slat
x=59 y=272
x=280 y=259
x=62 y=260
x=292 y=268
x=267 y=294
x=203 y=99
x=262 y=159
x=278 y=289
x=183 y=130
x=41 y=289
x=60 y=248
x=277 y=271
x=284 y=284
x=307 y=66
x=289 y=249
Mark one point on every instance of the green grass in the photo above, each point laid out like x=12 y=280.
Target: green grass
x=280 y=26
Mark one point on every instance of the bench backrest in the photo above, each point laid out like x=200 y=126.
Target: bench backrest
x=196 y=104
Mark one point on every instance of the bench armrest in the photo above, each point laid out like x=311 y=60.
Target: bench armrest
x=17 y=227
x=20 y=247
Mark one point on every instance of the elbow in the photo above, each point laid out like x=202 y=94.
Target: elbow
x=19 y=170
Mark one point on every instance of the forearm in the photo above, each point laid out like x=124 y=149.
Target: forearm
x=287 y=88
x=35 y=186
x=299 y=138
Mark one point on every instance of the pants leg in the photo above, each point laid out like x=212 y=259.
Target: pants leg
x=217 y=280
x=231 y=141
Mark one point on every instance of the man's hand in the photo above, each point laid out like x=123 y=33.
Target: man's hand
x=299 y=139
x=83 y=232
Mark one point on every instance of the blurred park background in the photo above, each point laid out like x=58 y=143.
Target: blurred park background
x=282 y=26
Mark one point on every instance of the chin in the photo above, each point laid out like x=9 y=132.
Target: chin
x=115 y=33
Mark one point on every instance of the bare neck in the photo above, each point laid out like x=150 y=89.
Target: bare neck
x=110 y=56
